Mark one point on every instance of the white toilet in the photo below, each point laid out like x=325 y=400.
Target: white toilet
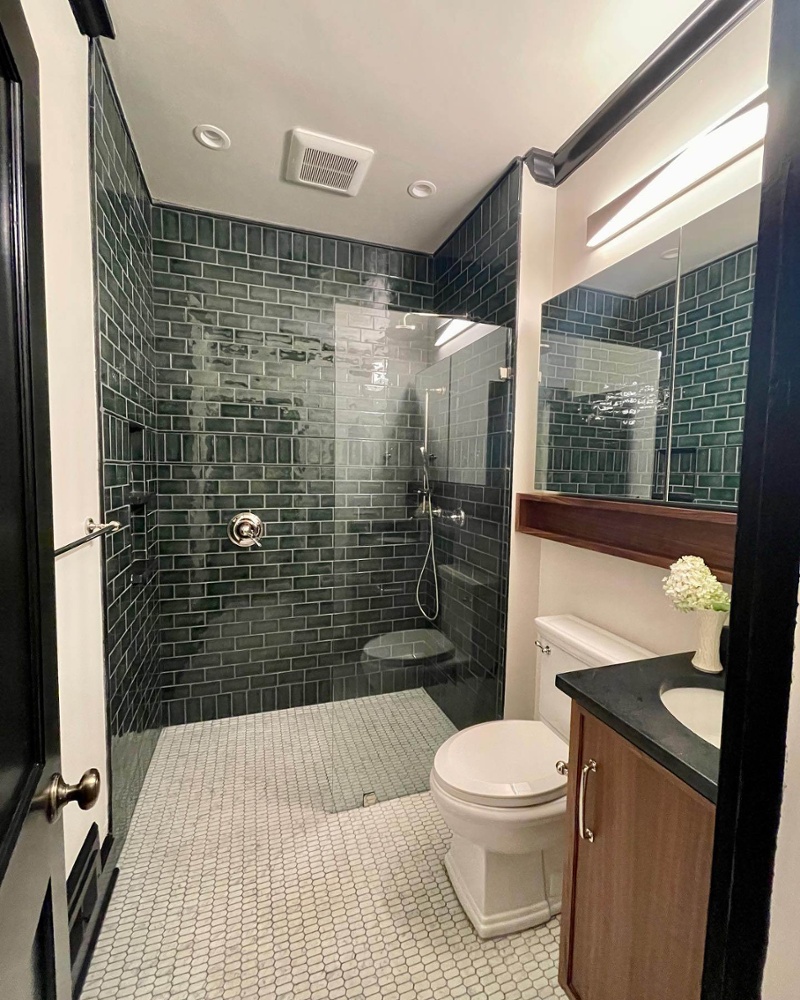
x=497 y=788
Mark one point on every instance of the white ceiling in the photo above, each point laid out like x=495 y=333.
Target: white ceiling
x=446 y=90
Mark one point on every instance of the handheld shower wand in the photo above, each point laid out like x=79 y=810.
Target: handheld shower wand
x=426 y=482
x=426 y=509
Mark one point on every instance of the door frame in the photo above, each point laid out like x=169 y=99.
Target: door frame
x=31 y=849
x=29 y=304
x=767 y=558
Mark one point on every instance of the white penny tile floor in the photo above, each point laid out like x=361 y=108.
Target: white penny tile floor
x=237 y=881
x=384 y=744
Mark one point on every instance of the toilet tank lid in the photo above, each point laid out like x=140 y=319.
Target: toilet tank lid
x=589 y=643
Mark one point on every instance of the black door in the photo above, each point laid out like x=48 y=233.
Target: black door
x=34 y=949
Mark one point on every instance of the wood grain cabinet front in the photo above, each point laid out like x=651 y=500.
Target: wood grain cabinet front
x=636 y=875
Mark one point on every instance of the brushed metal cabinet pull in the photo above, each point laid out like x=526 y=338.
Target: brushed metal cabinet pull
x=583 y=829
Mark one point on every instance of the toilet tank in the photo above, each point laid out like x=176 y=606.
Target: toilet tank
x=574 y=644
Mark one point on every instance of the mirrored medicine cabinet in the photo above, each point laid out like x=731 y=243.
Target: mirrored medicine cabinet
x=643 y=369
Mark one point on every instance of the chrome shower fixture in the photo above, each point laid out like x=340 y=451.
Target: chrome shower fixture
x=438 y=391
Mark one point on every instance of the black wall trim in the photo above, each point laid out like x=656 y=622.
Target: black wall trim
x=766 y=564
x=93 y=18
x=82 y=864
x=685 y=45
x=542 y=165
x=79 y=974
x=88 y=894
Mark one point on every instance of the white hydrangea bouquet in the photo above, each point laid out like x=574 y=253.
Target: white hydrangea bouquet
x=691 y=586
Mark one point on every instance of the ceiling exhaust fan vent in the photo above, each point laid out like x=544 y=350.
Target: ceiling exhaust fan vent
x=324 y=162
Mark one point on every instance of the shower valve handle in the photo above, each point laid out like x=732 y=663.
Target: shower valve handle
x=246 y=529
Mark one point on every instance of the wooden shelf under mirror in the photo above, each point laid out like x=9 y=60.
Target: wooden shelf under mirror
x=652 y=533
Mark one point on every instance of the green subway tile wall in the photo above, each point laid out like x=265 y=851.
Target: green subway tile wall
x=219 y=344
x=127 y=377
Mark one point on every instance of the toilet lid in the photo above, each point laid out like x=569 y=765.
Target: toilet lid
x=507 y=763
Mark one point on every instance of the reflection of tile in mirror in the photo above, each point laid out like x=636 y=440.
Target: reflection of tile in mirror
x=603 y=374
x=479 y=412
x=713 y=346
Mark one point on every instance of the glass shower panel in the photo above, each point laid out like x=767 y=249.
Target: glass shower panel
x=479 y=417
x=379 y=549
x=433 y=399
x=417 y=428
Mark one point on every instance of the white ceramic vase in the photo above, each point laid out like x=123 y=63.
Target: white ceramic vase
x=709 y=631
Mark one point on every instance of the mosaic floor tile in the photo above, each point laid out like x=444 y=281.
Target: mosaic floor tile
x=237 y=882
x=384 y=744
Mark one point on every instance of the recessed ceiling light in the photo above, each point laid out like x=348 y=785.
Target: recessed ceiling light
x=211 y=137
x=422 y=189
x=670 y=254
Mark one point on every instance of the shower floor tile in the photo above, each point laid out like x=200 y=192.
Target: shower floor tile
x=385 y=745
x=237 y=882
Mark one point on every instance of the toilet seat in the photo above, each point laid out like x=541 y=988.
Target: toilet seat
x=508 y=763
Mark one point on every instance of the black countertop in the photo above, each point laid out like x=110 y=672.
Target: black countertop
x=627 y=698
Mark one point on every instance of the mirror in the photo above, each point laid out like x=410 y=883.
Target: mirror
x=640 y=397
x=605 y=379
x=718 y=258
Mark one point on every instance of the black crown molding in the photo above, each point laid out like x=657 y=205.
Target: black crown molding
x=93 y=18
x=541 y=165
x=675 y=55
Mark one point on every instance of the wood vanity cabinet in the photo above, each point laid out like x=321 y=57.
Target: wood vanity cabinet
x=636 y=893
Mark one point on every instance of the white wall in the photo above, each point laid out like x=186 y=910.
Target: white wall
x=727 y=76
x=537 y=240
x=547 y=577
x=782 y=972
x=64 y=64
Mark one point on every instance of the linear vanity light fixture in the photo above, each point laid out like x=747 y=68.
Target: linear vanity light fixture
x=697 y=161
x=452 y=328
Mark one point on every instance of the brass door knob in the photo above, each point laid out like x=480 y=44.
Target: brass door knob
x=58 y=793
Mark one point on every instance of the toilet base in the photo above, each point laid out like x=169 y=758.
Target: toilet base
x=504 y=893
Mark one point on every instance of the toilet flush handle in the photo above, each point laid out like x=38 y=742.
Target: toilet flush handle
x=543 y=646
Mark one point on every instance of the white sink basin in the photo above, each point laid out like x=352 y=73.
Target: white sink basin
x=697 y=708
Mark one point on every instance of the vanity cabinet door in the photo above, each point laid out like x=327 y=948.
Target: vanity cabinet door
x=635 y=896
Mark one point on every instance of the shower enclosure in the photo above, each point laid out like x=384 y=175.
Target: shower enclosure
x=422 y=442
